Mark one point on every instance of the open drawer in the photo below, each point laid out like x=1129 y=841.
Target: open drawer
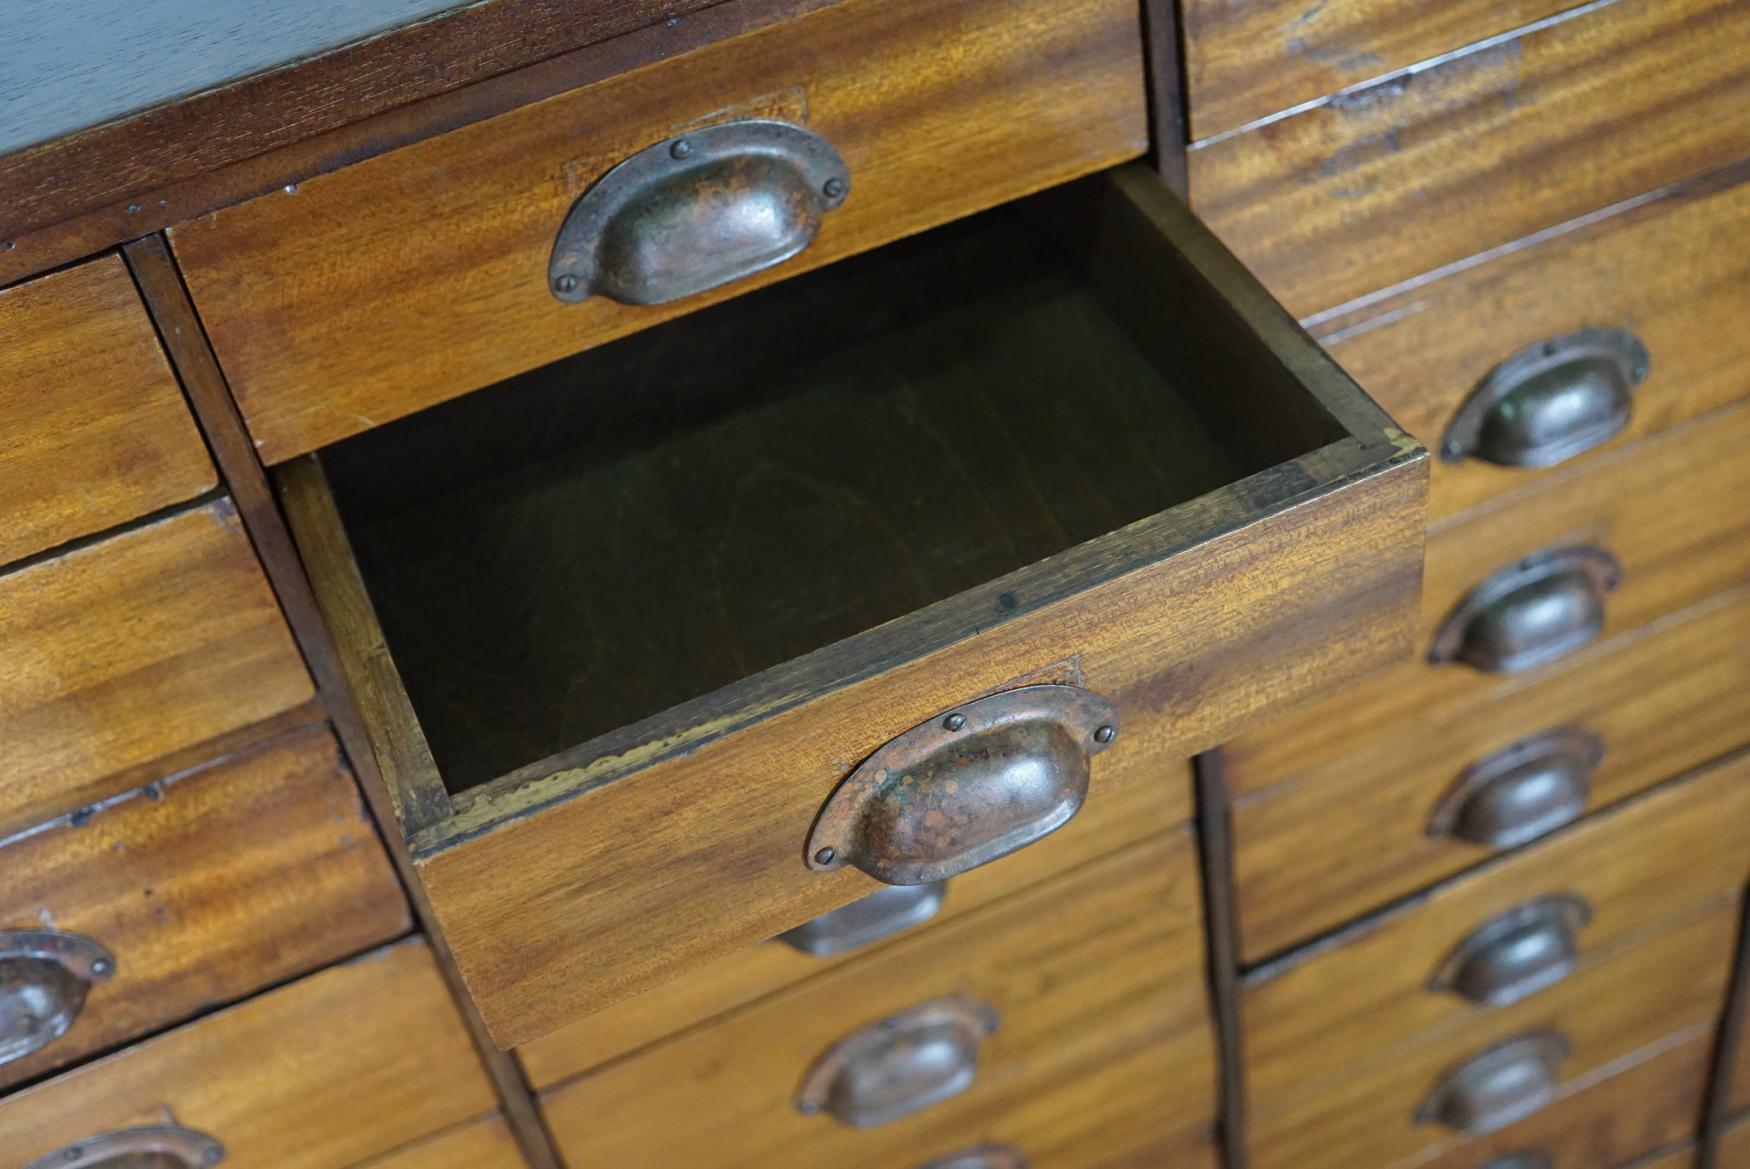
x=1056 y=489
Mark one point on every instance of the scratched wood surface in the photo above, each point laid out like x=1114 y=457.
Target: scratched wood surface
x=1104 y=1055
x=239 y=875
x=334 y=1069
x=1392 y=180
x=308 y=297
x=136 y=647
x=1659 y=267
x=1346 y=835
x=96 y=431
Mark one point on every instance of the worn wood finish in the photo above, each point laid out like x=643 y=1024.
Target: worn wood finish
x=1248 y=61
x=1610 y=1118
x=1341 y=837
x=1104 y=1055
x=1395 y=179
x=324 y=1073
x=480 y=1144
x=249 y=871
x=311 y=288
x=1359 y=997
x=96 y=430
x=1653 y=265
x=689 y=795
x=1124 y=817
x=1667 y=988
x=1674 y=510
x=132 y=648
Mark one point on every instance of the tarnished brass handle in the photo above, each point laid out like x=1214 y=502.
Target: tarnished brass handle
x=1531 y=612
x=900 y=1065
x=983 y=1157
x=1515 y=955
x=1521 y=792
x=1499 y=1087
x=1550 y=402
x=965 y=788
x=867 y=920
x=44 y=978
x=696 y=211
x=165 y=1146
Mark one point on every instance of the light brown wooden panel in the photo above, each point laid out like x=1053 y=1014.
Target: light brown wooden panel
x=479 y=1144
x=1104 y=1055
x=1356 y=998
x=331 y=1070
x=1668 y=988
x=226 y=879
x=121 y=652
x=1396 y=179
x=1247 y=61
x=1610 y=1118
x=1119 y=818
x=1659 y=267
x=96 y=431
x=1345 y=836
x=1734 y=1148
x=1674 y=509
x=368 y=293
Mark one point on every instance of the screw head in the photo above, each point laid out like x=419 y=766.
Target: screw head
x=1640 y=372
x=565 y=283
x=1452 y=450
x=213 y=1155
x=808 y=1107
x=101 y=967
x=1105 y=734
x=826 y=855
x=954 y=721
x=834 y=188
x=680 y=148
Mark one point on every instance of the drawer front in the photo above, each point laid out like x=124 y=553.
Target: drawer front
x=327 y=1072
x=1656 y=703
x=236 y=876
x=1247 y=61
x=1119 y=818
x=1652 y=270
x=1638 y=503
x=1610 y=1119
x=322 y=333
x=124 y=651
x=1609 y=1014
x=96 y=429
x=479 y=1144
x=1734 y=1147
x=1399 y=178
x=1499 y=934
x=1102 y=1053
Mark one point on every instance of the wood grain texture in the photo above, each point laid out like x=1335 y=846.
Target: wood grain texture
x=1342 y=837
x=1734 y=1146
x=140 y=645
x=1000 y=98
x=1643 y=502
x=1396 y=179
x=243 y=873
x=1608 y=1119
x=1665 y=990
x=326 y=1072
x=1362 y=996
x=96 y=432
x=1654 y=266
x=1680 y=1156
x=1124 y=817
x=1248 y=61
x=1103 y=1057
x=479 y=1144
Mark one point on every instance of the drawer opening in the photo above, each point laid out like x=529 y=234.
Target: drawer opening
x=587 y=546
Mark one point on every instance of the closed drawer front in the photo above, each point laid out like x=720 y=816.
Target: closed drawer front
x=96 y=429
x=1496 y=1068
x=1672 y=512
x=1101 y=1052
x=1507 y=932
x=846 y=512
x=118 y=653
x=1421 y=801
x=1640 y=308
x=479 y=1144
x=330 y=1071
x=1611 y=1118
x=1734 y=1148
x=374 y=291
x=1392 y=180
x=1120 y=817
x=232 y=877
